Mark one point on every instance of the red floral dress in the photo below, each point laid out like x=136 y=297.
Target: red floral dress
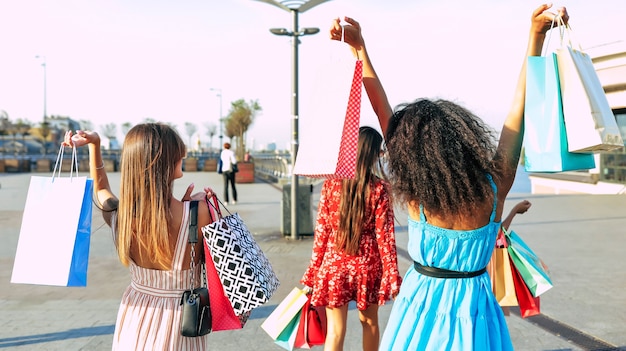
x=369 y=277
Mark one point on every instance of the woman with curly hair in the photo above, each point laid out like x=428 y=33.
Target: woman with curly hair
x=445 y=167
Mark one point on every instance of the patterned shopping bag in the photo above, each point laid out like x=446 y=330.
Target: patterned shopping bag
x=328 y=147
x=246 y=274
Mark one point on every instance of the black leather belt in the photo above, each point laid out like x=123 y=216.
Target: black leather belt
x=445 y=273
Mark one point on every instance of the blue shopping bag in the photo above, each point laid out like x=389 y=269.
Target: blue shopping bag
x=53 y=245
x=545 y=136
x=532 y=269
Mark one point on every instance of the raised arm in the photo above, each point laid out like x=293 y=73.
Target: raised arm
x=519 y=208
x=510 y=145
x=104 y=197
x=373 y=86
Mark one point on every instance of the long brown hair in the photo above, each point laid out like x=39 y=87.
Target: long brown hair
x=149 y=157
x=353 y=209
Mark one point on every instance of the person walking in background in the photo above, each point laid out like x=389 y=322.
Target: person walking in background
x=228 y=168
x=444 y=165
x=150 y=230
x=354 y=251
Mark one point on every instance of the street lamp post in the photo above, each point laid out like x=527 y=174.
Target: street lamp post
x=296 y=32
x=43 y=64
x=221 y=120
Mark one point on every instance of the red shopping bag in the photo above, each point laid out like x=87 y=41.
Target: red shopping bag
x=312 y=328
x=224 y=317
x=528 y=304
x=327 y=148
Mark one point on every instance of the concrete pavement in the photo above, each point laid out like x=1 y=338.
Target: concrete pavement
x=580 y=237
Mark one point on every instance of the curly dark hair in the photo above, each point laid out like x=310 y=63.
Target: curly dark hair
x=439 y=156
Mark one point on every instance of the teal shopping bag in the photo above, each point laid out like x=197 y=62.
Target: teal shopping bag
x=287 y=338
x=545 y=136
x=532 y=269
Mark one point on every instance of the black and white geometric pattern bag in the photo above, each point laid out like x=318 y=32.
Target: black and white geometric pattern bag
x=245 y=272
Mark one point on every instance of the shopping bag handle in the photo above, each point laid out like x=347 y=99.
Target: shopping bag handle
x=56 y=172
x=564 y=29
x=215 y=205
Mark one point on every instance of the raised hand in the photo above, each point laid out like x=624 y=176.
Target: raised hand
x=542 y=19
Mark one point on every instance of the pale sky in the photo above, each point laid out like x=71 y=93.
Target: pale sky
x=126 y=60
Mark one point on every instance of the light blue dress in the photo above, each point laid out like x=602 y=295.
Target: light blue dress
x=448 y=314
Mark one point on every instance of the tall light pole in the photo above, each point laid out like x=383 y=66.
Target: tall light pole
x=221 y=136
x=295 y=8
x=43 y=64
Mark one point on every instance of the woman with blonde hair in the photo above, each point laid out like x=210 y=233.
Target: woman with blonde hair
x=150 y=229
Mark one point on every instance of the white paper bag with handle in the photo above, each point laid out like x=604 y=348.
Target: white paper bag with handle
x=53 y=246
x=589 y=121
x=330 y=131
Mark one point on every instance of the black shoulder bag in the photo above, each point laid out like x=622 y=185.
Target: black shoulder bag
x=196 y=314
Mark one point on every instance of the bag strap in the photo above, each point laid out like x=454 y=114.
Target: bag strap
x=192 y=238
x=215 y=205
x=193 y=222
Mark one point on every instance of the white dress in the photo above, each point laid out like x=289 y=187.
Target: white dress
x=149 y=314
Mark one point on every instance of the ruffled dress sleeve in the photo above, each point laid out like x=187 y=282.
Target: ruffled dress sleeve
x=322 y=232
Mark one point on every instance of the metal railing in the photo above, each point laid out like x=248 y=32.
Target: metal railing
x=272 y=167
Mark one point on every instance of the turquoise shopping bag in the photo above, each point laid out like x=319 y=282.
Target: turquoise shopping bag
x=545 y=136
x=287 y=338
x=532 y=269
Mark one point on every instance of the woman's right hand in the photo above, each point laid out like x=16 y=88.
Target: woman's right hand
x=351 y=32
x=79 y=139
x=542 y=19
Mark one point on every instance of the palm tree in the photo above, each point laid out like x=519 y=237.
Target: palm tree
x=239 y=119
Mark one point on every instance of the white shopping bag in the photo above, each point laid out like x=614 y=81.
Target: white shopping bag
x=53 y=246
x=330 y=131
x=284 y=313
x=589 y=120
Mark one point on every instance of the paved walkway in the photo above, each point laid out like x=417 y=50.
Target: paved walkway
x=581 y=237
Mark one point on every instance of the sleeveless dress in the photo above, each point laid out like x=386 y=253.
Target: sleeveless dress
x=448 y=314
x=150 y=311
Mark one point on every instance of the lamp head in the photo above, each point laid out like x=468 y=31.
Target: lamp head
x=280 y=31
x=310 y=31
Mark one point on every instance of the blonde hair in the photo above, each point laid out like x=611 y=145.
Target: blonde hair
x=150 y=154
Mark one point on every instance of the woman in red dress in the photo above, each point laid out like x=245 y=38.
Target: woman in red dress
x=354 y=253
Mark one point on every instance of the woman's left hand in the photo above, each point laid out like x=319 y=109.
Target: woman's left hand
x=199 y=196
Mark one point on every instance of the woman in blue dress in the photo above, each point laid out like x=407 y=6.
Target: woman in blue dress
x=445 y=166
